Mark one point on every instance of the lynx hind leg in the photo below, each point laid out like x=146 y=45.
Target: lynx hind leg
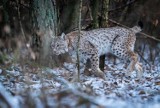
x=132 y=57
x=95 y=66
x=92 y=54
x=134 y=64
x=139 y=70
x=133 y=60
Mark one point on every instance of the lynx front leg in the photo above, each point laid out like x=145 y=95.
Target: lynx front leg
x=90 y=52
x=95 y=66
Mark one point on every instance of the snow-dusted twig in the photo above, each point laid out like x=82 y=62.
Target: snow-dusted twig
x=123 y=6
x=9 y=100
x=73 y=89
x=79 y=30
x=19 y=17
x=143 y=59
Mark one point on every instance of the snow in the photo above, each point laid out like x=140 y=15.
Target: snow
x=56 y=87
x=0 y=71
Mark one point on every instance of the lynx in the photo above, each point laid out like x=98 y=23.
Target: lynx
x=94 y=43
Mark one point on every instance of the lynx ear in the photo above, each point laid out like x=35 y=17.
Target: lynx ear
x=63 y=36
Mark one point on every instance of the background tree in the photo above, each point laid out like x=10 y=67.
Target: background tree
x=50 y=18
x=44 y=24
x=94 y=11
x=68 y=12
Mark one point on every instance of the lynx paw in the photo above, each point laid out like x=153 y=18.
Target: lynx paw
x=139 y=69
x=100 y=74
x=128 y=73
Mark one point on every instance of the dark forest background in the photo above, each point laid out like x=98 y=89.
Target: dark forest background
x=28 y=26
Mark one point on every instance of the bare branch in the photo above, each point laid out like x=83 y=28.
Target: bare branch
x=128 y=3
x=72 y=88
x=20 y=22
x=8 y=99
x=143 y=58
x=146 y=35
x=79 y=30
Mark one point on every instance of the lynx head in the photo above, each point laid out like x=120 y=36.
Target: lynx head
x=59 y=45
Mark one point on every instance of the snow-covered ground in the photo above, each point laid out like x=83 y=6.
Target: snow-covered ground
x=30 y=85
x=44 y=87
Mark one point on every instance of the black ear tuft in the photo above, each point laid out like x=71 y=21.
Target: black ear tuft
x=140 y=23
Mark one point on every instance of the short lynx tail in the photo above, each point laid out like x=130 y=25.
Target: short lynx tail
x=140 y=24
x=137 y=28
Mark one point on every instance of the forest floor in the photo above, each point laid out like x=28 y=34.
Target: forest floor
x=31 y=86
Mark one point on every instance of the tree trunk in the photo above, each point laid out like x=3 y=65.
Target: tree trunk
x=104 y=14
x=44 y=18
x=68 y=13
x=94 y=10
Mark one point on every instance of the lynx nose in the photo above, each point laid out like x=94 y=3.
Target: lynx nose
x=57 y=53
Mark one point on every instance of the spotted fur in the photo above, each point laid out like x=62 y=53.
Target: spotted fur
x=94 y=43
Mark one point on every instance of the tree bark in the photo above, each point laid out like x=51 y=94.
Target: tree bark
x=104 y=14
x=68 y=14
x=95 y=10
x=44 y=18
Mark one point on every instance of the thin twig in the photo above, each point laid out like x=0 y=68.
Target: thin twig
x=148 y=36
x=128 y=3
x=24 y=6
x=72 y=88
x=89 y=11
x=143 y=58
x=7 y=99
x=20 y=22
x=79 y=30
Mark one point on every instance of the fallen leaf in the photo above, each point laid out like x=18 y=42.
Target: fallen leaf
x=142 y=92
x=157 y=83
